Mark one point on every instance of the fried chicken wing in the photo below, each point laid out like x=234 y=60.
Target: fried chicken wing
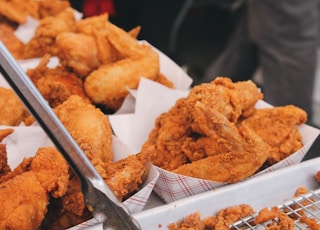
x=109 y=84
x=277 y=127
x=235 y=155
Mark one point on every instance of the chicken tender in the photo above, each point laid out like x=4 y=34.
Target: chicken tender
x=126 y=175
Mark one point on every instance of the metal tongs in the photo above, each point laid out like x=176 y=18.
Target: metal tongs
x=99 y=198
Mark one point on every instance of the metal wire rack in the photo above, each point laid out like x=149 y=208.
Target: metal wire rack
x=306 y=204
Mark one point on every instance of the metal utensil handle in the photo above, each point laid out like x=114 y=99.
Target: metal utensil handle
x=97 y=194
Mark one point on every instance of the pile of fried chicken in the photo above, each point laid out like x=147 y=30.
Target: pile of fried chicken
x=44 y=192
x=98 y=60
x=216 y=133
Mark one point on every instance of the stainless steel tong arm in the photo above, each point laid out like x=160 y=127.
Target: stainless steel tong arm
x=98 y=196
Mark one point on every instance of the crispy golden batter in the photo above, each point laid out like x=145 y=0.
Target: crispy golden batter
x=123 y=177
x=163 y=80
x=234 y=154
x=25 y=196
x=43 y=41
x=13 y=112
x=277 y=127
x=89 y=127
x=57 y=84
x=77 y=51
x=18 y=11
x=179 y=135
x=12 y=43
x=4 y=167
x=163 y=147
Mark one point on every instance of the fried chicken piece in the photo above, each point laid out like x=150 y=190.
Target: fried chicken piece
x=164 y=145
x=123 y=177
x=89 y=127
x=4 y=167
x=228 y=98
x=108 y=85
x=46 y=32
x=126 y=175
x=25 y=196
x=12 y=43
x=87 y=47
x=56 y=85
x=26 y=210
x=96 y=26
x=52 y=8
x=277 y=127
x=280 y=220
x=18 y=11
x=13 y=111
x=77 y=51
x=238 y=153
x=176 y=139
